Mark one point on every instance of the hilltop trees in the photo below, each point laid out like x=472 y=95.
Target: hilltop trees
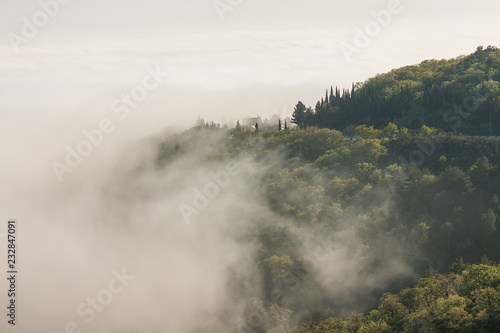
x=461 y=94
x=299 y=115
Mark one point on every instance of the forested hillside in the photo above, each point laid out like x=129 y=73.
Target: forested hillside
x=461 y=94
x=465 y=300
x=339 y=222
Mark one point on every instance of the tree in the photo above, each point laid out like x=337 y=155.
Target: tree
x=453 y=179
x=350 y=131
x=392 y=311
x=274 y=269
x=366 y=132
x=299 y=114
x=480 y=171
x=425 y=131
x=390 y=130
x=200 y=122
x=279 y=125
x=489 y=222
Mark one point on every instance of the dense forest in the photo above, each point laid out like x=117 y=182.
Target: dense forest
x=378 y=212
x=465 y=300
x=460 y=95
x=360 y=234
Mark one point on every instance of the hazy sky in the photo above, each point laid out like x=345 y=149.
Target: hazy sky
x=257 y=58
x=252 y=58
x=263 y=56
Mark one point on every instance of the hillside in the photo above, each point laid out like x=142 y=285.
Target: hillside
x=460 y=94
x=465 y=300
x=335 y=223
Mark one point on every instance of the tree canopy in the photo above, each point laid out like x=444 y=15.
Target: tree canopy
x=460 y=94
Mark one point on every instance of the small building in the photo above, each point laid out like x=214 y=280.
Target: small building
x=250 y=121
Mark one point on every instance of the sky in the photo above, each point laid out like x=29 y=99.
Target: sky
x=224 y=60
x=68 y=68
x=65 y=65
x=246 y=58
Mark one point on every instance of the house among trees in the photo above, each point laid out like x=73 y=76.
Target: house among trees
x=250 y=121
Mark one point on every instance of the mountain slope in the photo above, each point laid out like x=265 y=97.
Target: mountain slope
x=459 y=94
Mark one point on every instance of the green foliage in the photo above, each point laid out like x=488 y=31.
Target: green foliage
x=456 y=94
x=425 y=132
x=390 y=130
x=464 y=302
x=480 y=172
x=366 y=132
x=313 y=143
x=391 y=221
x=299 y=114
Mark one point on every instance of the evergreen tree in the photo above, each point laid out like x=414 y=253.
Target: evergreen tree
x=299 y=115
x=462 y=94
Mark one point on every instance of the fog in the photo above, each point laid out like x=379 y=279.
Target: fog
x=117 y=213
